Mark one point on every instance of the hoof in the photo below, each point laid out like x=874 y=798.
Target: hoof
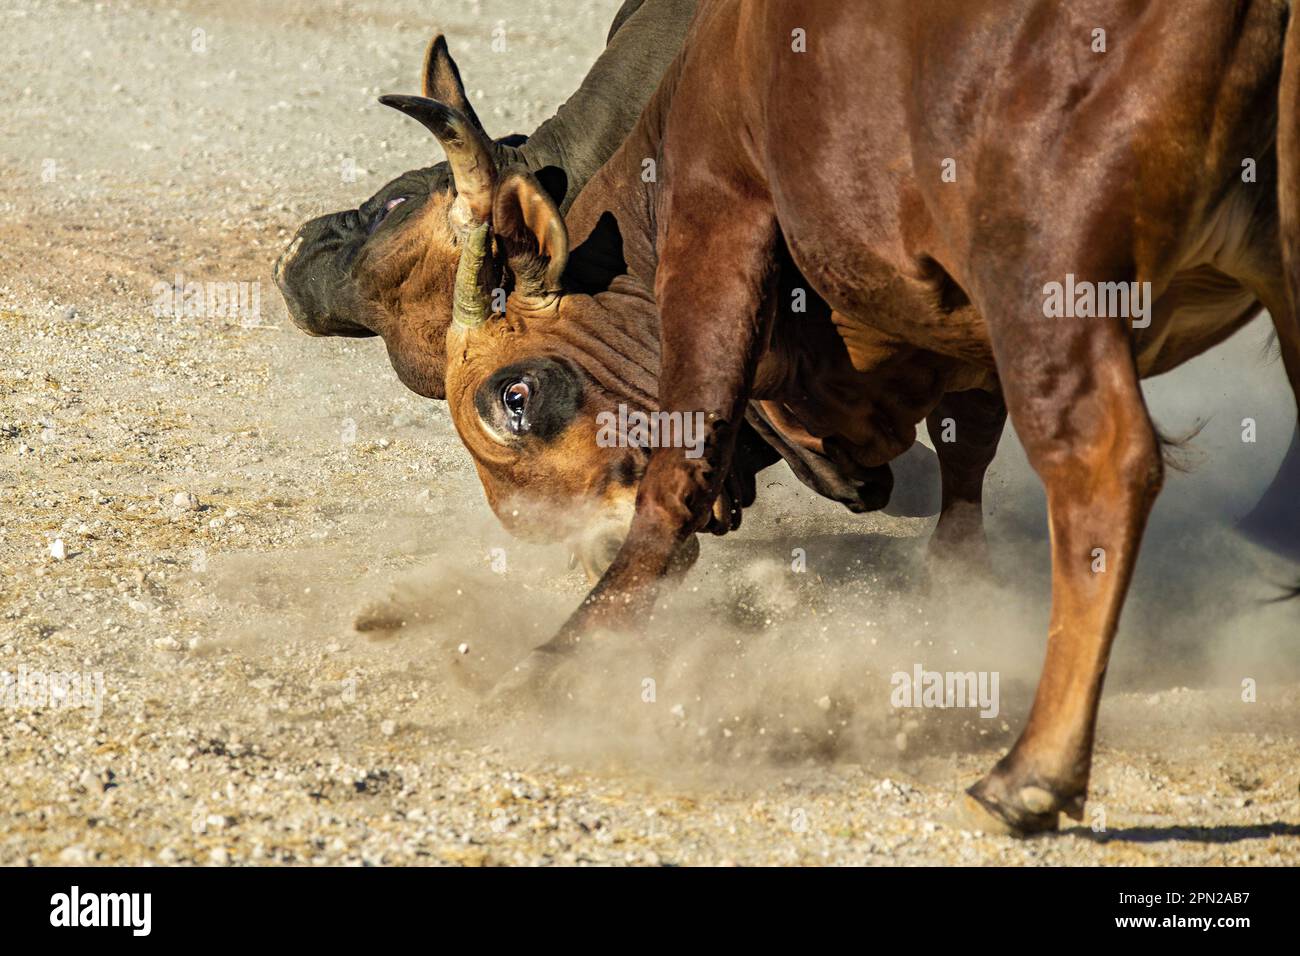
x=970 y=814
x=535 y=681
x=987 y=808
x=958 y=545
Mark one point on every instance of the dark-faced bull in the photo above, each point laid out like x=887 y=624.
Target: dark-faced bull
x=387 y=267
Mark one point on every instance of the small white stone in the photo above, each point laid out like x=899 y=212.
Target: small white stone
x=462 y=649
x=57 y=549
x=185 y=501
x=388 y=728
x=74 y=855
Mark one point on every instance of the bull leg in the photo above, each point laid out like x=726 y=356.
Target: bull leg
x=1073 y=394
x=965 y=428
x=715 y=322
x=1281 y=296
x=1273 y=522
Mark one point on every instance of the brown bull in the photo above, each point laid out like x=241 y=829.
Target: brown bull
x=990 y=198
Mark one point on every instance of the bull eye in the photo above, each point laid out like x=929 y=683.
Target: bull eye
x=515 y=397
x=383 y=213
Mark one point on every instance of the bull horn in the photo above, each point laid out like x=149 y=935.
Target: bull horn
x=468 y=149
x=471 y=303
x=442 y=79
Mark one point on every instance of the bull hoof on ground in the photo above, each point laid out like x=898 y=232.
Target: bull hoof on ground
x=536 y=681
x=1033 y=810
x=966 y=559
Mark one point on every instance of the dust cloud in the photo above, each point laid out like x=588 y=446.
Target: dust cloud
x=782 y=645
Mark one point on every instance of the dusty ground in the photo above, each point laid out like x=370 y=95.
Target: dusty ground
x=195 y=507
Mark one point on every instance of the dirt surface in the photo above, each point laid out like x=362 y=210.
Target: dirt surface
x=194 y=508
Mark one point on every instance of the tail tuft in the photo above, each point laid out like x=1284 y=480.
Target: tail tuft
x=1288 y=593
x=1177 y=451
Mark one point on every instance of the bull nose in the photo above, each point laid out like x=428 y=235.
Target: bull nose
x=294 y=307
x=277 y=272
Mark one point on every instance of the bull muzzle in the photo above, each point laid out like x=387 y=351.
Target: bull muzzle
x=277 y=271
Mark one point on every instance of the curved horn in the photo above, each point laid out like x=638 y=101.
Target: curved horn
x=469 y=151
x=442 y=79
x=474 y=171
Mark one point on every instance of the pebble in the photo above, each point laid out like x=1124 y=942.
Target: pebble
x=185 y=501
x=74 y=855
x=58 y=551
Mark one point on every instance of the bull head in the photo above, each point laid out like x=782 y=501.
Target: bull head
x=529 y=368
x=387 y=267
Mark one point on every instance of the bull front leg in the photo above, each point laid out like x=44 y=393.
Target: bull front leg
x=715 y=322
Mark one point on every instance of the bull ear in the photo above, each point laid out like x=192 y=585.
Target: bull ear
x=530 y=229
x=442 y=80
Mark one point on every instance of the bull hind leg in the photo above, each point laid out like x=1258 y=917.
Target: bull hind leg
x=965 y=428
x=1274 y=522
x=1074 y=398
x=1275 y=516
